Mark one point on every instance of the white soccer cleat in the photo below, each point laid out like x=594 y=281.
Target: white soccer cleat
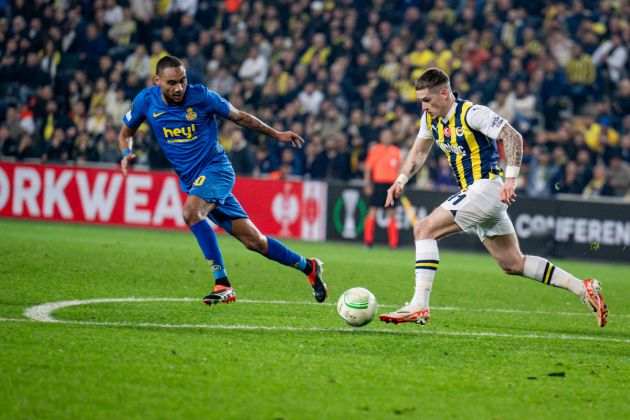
x=594 y=301
x=408 y=313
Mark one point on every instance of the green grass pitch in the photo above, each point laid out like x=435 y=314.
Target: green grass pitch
x=496 y=347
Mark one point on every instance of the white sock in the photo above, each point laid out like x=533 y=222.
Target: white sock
x=545 y=272
x=427 y=261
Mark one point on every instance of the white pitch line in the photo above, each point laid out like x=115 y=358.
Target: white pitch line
x=16 y=320
x=43 y=313
x=339 y=330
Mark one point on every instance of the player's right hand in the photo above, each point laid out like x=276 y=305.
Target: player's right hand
x=290 y=137
x=124 y=163
x=393 y=192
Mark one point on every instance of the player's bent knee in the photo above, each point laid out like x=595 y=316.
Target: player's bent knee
x=422 y=230
x=192 y=215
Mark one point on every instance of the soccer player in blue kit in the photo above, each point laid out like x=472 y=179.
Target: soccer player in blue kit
x=182 y=117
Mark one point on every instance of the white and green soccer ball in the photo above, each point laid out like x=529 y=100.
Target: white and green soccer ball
x=357 y=306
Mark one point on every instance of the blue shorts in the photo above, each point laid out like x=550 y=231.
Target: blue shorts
x=214 y=185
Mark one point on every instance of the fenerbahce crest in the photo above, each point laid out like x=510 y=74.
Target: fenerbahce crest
x=191 y=114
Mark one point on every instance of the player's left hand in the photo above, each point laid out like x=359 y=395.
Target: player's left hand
x=508 y=196
x=290 y=137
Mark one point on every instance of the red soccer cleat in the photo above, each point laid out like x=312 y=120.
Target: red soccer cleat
x=317 y=280
x=593 y=300
x=408 y=313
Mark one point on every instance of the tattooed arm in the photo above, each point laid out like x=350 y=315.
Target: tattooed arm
x=249 y=121
x=513 y=147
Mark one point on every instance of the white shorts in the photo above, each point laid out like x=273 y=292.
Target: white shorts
x=479 y=209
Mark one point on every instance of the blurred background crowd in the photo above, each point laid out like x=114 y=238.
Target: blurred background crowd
x=337 y=72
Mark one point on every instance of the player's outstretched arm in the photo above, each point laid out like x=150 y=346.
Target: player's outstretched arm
x=414 y=161
x=513 y=147
x=249 y=121
x=125 y=142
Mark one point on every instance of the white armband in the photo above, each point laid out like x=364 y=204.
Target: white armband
x=402 y=179
x=512 y=171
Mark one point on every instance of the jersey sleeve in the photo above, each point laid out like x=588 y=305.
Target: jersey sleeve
x=138 y=112
x=424 y=133
x=217 y=104
x=484 y=119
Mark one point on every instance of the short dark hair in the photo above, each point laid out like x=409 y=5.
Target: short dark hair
x=166 y=62
x=431 y=78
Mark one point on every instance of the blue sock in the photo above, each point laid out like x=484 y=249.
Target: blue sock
x=278 y=252
x=210 y=247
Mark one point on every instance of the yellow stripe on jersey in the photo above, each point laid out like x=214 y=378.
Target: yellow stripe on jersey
x=459 y=156
x=473 y=146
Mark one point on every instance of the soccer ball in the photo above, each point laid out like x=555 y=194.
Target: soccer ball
x=357 y=306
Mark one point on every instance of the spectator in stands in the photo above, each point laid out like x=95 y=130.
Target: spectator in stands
x=612 y=57
x=541 y=171
x=524 y=107
x=108 y=150
x=56 y=150
x=138 y=63
x=122 y=33
x=552 y=90
x=241 y=154
x=619 y=176
x=84 y=149
x=27 y=149
x=116 y=105
x=311 y=98
x=8 y=145
x=599 y=186
x=569 y=182
x=621 y=102
x=254 y=67
x=92 y=48
x=581 y=74
x=264 y=164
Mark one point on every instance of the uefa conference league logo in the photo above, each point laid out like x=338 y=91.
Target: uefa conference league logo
x=349 y=226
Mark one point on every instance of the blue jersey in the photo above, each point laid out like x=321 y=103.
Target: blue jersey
x=187 y=132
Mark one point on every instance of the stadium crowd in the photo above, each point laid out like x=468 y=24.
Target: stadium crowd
x=336 y=72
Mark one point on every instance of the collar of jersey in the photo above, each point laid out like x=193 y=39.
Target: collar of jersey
x=450 y=112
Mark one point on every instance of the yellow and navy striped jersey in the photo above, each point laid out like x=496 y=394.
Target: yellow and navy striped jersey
x=471 y=154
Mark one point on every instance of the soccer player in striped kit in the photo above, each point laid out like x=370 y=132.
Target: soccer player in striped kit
x=467 y=134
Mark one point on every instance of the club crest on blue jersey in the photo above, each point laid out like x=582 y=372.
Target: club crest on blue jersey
x=191 y=114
